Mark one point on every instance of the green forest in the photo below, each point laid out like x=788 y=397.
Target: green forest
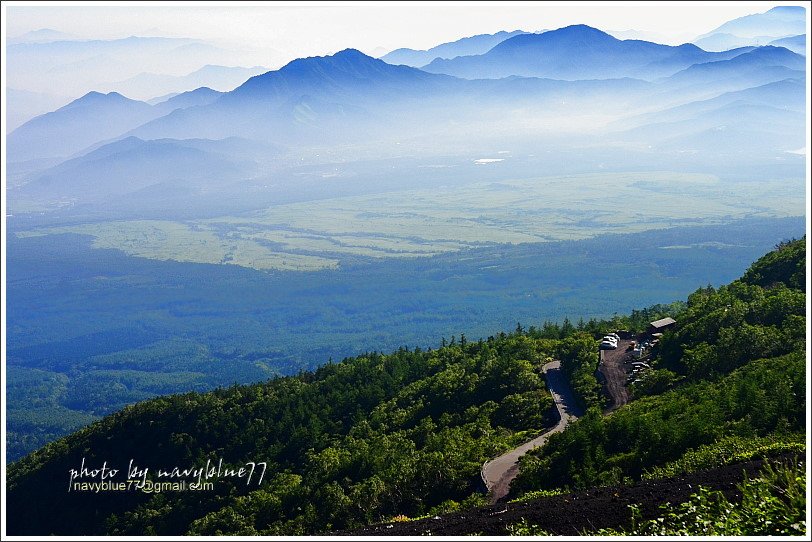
x=404 y=434
x=737 y=367
x=96 y=330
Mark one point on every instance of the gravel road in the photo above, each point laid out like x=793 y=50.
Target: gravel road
x=613 y=374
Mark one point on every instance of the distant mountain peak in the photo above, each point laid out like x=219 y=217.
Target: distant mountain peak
x=346 y=56
x=320 y=73
x=470 y=45
x=778 y=22
x=94 y=97
x=579 y=30
x=771 y=51
x=568 y=35
x=351 y=53
x=794 y=11
x=689 y=47
x=202 y=90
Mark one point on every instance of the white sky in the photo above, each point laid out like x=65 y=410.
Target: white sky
x=306 y=28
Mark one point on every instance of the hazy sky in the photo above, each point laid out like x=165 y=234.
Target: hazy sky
x=298 y=29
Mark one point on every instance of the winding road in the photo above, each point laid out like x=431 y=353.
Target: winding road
x=499 y=473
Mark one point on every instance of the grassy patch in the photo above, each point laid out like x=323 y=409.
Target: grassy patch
x=316 y=235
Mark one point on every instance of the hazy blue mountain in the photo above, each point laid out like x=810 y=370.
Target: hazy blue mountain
x=79 y=66
x=57 y=52
x=360 y=102
x=199 y=96
x=738 y=130
x=723 y=42
x=309 y=97
x=161 y=98
x=756 y=29
x=130 y=165
x=84 y=123
x=753 y=103
x=796 y=44
x=752 y=68
x=146 y=85
x=350 y=96
x=69 y=129
x=24 y=105
x=779 y=21
x=474 y=45
x=788 y=94
x=646 y=35
x=763 y=56
x=41 y=35
x=574 y=52
x=765 y=119
x=341 y=75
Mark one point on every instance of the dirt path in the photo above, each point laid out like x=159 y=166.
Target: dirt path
x=499 y=473
x=613 y=375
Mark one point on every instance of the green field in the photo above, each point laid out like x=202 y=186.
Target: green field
x=315 y=235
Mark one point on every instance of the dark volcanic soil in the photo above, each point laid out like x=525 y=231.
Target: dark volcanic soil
x=572 y=514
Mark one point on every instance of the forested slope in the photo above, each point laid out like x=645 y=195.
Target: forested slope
x=351 y=443
x=735 y=368
x=404 y=434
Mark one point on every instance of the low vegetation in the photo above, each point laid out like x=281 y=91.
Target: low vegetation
x=772 y=504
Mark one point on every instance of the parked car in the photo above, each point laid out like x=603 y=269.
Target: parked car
x=607 y=345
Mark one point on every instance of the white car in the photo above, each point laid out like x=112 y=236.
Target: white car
x=607 y=345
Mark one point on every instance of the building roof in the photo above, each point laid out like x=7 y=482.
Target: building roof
x=663 y=323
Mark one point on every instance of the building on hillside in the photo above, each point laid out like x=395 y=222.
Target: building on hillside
x=660 y=326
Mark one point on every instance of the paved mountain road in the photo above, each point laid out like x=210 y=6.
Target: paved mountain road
x=499 y=473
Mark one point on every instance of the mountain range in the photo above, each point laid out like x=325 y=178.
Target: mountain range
x=24 y=105
x=93 y=118
x=756 y=29
x=148 y=85
x=137 y=165
x=473 y=45
x=796 y=44
x=576 y=52
x=49 y=62
x=528 y=88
